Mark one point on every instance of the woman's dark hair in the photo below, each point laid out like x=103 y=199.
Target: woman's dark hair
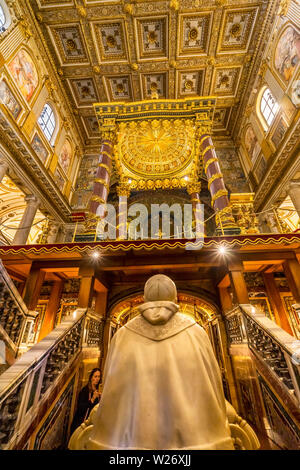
x=91 y=376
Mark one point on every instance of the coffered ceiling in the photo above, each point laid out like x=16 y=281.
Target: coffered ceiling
x=121 y=51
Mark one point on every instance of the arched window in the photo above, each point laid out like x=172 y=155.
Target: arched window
x=268 y=106
x=4 y=17
x=47 y=121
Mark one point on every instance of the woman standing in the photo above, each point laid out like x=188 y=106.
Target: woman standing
x=88 y=397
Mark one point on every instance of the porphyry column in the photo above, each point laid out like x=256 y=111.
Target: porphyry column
x=101 y=184
x=219 y=194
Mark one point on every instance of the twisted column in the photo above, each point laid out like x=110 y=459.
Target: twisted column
x=123 y=192
x=219 y=194
x=193 y=190
x=101 y=183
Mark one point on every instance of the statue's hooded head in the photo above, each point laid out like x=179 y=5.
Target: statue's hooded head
x=160 y=287
x=160 y=295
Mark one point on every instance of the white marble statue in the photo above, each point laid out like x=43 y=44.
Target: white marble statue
x=162 y=385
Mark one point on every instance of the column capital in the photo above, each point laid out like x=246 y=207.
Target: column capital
x=294 y=184
x=32 y=200
x=4 y=163
x=123 y=190
x=194 y=187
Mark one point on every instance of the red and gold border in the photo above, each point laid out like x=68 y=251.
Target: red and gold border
x=126 y=245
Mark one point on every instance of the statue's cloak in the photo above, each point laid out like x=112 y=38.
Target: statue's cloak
x=162 y=390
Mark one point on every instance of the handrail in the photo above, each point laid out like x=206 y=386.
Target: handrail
x=277 y=349
x=29 y=381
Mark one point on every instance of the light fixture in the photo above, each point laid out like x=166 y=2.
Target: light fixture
x=222 y=249
x=186 y=178
x=96 y=255
x=129 y=181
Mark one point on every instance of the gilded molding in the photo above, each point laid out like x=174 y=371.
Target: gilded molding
x=194 y=187
x=103 y=165
x=213 y=178
x=102 y=181
x=211 y=160
x=218 y=194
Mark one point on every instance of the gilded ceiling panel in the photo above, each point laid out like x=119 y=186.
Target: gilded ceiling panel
x=84 y=90
x=221 y=118
x=123 y=51
x=152 y=37
x=91 y=126
x=236 y=30
x=54 y=3
x=189 y=83
x=194 y=34
x=119 y=88
x=69 y=43
x=225 y=81
x=154 y=83
x=110 y=40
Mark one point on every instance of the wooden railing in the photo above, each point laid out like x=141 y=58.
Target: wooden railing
x=26 y=385
x=16 y=321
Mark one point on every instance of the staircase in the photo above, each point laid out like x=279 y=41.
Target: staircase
x=16 y=322
x=269 y=386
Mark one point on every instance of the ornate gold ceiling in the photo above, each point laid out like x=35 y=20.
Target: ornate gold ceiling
x=123 y=51
x=156 y=148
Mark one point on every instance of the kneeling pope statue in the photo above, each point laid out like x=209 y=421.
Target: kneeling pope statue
x=162 y=384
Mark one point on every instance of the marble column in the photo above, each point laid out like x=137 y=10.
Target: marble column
x=123 y=193
x=294 y=193
x=27 y=220
x=193 y=190
x=101 y=184
x=272 y=223
x=3 y=169
x=53 y=230
x=219 y=194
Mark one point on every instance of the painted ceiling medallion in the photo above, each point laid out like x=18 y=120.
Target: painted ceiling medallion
x=155 y=148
